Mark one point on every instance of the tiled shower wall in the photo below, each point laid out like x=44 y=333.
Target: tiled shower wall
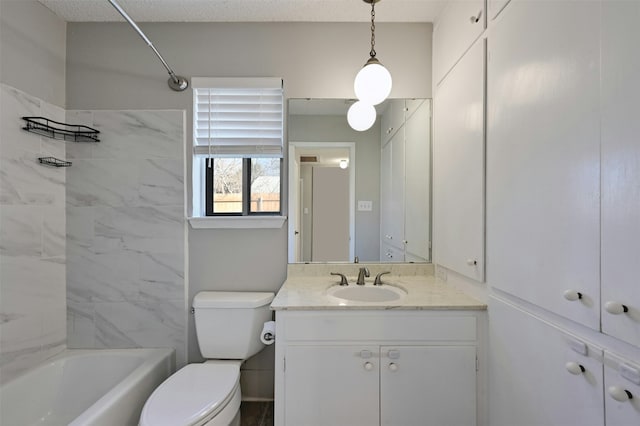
x=126 y=232
x=32 y=237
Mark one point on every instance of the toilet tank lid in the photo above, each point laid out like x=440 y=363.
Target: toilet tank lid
x=231 y=299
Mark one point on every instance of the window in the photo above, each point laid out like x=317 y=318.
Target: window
x=238 y=146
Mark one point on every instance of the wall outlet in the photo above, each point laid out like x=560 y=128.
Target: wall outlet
x=365 y=206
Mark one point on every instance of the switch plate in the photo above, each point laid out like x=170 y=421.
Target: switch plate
x=365 y=206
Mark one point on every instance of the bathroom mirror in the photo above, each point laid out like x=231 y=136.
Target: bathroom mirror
x=359 y=194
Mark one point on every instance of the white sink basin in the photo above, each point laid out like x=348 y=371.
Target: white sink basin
x=367 y=293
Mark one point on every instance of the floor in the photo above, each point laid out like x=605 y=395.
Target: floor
x=256 y=413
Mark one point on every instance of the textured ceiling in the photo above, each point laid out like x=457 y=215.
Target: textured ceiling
x=246 y=10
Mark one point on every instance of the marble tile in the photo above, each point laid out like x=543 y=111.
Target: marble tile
x=25 y=181
x=80 y=225
x=53 y=232
x=148 y=323
x=102 y=183
x=81 y=329
x=161 y=182
x=110 y=277
x=139 y=134
x=161 y=275
x=139 y=229
x=15 y=104
x=20 y=231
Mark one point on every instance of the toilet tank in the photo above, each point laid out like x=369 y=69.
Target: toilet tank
x=228 y=324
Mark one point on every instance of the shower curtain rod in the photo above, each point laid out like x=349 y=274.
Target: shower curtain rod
x=176 y=82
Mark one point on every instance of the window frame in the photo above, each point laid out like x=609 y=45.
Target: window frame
x=246 y=191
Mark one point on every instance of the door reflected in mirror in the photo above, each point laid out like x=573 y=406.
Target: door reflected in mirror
x=377 y=206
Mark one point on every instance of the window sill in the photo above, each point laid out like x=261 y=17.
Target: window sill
x=237 y=222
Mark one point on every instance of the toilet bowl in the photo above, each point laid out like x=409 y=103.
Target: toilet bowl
x=228 y=326
x=196 y=395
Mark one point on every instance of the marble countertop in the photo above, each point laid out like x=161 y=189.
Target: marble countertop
x=306 y=289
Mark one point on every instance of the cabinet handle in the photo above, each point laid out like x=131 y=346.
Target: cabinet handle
x=389 y=130
x=405 y=241
x=472 y=262
x=574 y=368
x=615 y=308
x=476 y=19
x=572 y=295
x=368 y=366
x=393 y=366
x=619 y=394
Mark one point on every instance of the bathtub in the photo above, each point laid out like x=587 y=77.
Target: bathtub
x=86 y=387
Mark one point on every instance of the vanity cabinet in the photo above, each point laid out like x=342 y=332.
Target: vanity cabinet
x=376 y=368
x=458 y=167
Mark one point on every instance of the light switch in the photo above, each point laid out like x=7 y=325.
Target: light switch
x=365 y=206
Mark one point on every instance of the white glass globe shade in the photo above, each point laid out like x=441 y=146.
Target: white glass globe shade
x=361 y=116
x=372 y=84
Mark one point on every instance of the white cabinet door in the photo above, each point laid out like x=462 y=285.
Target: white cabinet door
x=385 y=197
x=458 y=167
x=456 y=29
x=392 y=118
x=543 y=155
x=428 y=385
x=331 y=385
x=621 y=411
x=529 y=380
x=417 y=171
x=621 y=169
x=396 y=208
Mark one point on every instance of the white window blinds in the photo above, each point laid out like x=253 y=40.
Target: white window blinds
x=238 y=117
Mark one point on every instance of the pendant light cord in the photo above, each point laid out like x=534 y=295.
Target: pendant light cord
x=372 y=53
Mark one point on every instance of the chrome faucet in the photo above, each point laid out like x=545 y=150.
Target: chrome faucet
x=378 y=280
x=343 y=279
x=364 y=272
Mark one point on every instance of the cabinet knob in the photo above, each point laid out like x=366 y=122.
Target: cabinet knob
x=405 y=241
x=615 y=308
x=619 y=394
x=574 y=368
x=393 y=366
x=476 y=19
x=472 y=262
x=572 y=295
x=368 y=366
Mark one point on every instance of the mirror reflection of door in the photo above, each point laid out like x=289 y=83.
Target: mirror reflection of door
x=330 y=215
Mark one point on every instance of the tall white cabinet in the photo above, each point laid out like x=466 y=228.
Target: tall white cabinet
x=562 y=205
x=405 y=163
x=543 y=156
x=621 y=170
x=458 y=167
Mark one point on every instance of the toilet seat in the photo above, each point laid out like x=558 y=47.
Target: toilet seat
x=194 y=395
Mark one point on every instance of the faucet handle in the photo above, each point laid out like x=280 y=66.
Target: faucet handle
x=378 y=280
x=343 y=279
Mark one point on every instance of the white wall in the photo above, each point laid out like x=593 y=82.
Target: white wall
x=32 y=197
x=109 y=67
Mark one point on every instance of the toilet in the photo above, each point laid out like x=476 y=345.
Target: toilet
x=228 y=326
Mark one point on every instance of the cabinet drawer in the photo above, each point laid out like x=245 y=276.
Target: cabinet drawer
x=456 y=30
x=401 y=327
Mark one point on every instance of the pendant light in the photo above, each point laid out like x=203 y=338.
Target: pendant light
x=361 y=116
x=373 y=83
